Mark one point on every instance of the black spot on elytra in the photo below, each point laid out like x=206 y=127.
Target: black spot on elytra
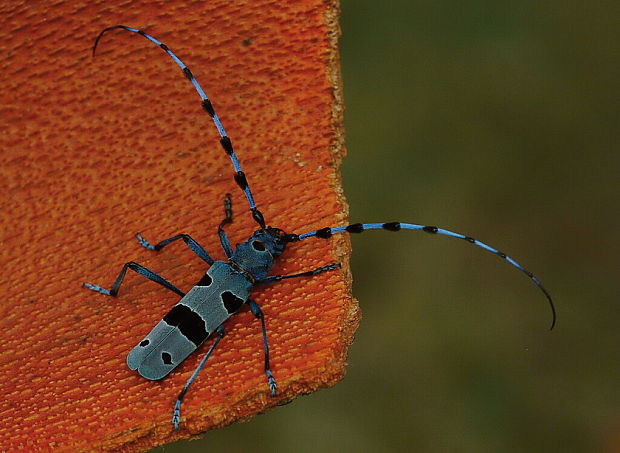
x=231 y=302
x=206 y=280
x=190 y=323
x=144 y=343
x=166 y=358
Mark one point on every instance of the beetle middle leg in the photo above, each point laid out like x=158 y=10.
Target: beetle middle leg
x=256 y=311
x=139 y=269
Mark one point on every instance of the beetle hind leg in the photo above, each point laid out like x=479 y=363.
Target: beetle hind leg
x=176 y=414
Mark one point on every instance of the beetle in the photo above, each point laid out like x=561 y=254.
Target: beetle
x=226 y=286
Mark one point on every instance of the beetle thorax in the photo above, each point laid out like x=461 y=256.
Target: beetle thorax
x=258 y=254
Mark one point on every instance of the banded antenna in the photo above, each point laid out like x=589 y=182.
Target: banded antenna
x=225 y=141
x=325 y=233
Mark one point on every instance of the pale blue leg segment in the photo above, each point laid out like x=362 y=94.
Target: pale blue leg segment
x=176 y=415
x=312 y=273
x=191 y=243
x=325 y=233
x=225 y=141
x=256 y=311
x=220 y=229
x=139 y=269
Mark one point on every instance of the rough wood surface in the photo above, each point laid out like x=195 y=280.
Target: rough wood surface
x=96 y=150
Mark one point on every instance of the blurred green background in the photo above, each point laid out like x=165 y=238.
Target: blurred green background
x=499 y=120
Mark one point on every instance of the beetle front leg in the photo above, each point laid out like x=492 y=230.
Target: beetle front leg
x=312 y=273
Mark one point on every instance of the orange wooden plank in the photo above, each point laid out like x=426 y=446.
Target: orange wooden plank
x=94 y=151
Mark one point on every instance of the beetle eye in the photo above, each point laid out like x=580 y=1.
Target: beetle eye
x=258 y=245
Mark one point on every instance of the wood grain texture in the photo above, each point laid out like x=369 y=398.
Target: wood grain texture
x=96 y=150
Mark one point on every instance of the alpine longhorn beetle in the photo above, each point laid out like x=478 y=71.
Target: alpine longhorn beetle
x=226 y=285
